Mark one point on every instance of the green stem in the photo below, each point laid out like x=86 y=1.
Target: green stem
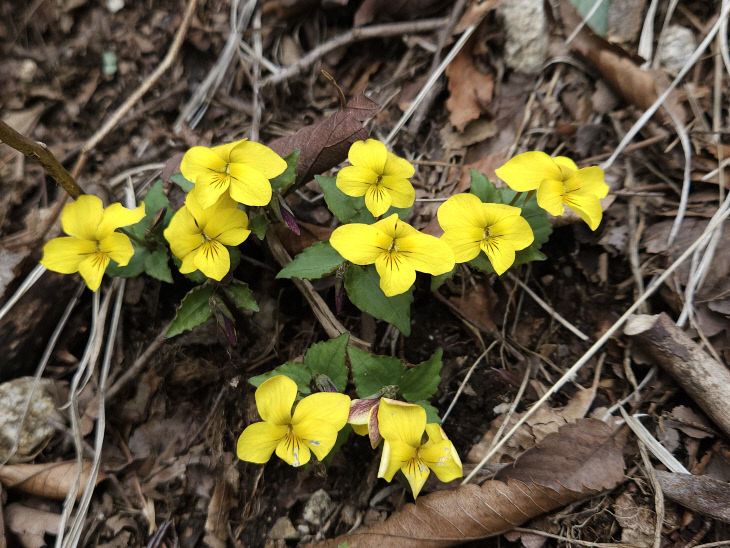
x=517 y=197
x=529 y=196
x=136 y=240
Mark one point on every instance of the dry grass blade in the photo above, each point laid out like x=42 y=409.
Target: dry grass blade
x=580 y=460
x=52 y=480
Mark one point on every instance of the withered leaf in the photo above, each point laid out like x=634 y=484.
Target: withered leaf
x=700 y=493
x=580 y=460
x=52 y=480
x=621 y=70
x=324 y=144
x=470 y=89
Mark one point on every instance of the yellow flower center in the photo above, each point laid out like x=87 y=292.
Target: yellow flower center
x=486 y=232
x=393 y=248
x=228 y=169
x=292 y=440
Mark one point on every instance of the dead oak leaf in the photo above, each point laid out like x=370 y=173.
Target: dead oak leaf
x=470 y=90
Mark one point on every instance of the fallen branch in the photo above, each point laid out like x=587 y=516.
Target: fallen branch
x=705 y=380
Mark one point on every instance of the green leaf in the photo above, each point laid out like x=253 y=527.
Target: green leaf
x=135 y=266
x=241 y=295
x=528 y=255
x=432 y=414
x=297 y=372
x=154 y=201
x=328 y=358
x=258 y=224
x=481 y=262
x=483 y=188
x=155 y=264
x=345 y=208
x=438 y=281
x=599 y=20
x=363 y=289
x=286 y=179
x=370 y=373
x=421 y=382
x=193 y=310
x=182 y=182
x=314 y=262
x=538 y=220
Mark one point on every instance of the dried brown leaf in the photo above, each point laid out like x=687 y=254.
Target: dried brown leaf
x=52 y=480
x=700 y=493
x=621 y=70
x=470 y=89
x=31 y=524
x=324 y=144
x=578 y=461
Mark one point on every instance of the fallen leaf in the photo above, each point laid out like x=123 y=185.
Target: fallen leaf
x=703 y=494
x=399 y=10
x=470 y=90
x=580 y=460
x=31 y=524
x=477 y=305
x=475 y=131
x=221 y=503
x=544 y=422
x=53 y=480
x=637 y=522
x=325 y=144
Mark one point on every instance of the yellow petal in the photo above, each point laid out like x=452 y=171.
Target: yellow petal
x=396 y=273
x=586 y=206
x=566 y=165
x=224 y=151
x=395 y=166
x=188 y=263
x=328 y=407
x=416 y=472
x=259 y=157
x=319 y=436
x=208 y=190
x=464 y=242
x=525 y=171
x=92 y=269
x=395 y=455
x=500 y=255
x=494 y=213
x=199 y=163
x=550 y=196
x=377 y=200
x=393 y=227
x=360 y=429
x=183 y=234
x=588 y=180
x=359 y=243
x=213 y=260
x=64 y=254
x=370 y=154
x=258 y=441
x=228 y=226
x=355 y=180
x=249 y=186
x=401 y=191
x=514 y=231
x=293 y=451
x=401 y=421
x=426 y=253
x=118 y=247
x=462 y=211
x=81 y=218
x=439 y=457
x=274 y=399
x=116 y=216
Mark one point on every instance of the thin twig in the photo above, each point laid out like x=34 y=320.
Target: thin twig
x=465 y=380
x=571 y=541
x=40 y=152
x=658 y=495
x=354 y=35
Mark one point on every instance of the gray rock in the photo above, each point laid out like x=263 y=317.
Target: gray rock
x=526 y=46
x=318 y=507
x=37 y=427
x=283 y=529
x=675 y=47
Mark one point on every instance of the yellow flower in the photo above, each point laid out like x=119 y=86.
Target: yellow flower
x=558 y=182
x=92 y=241
x=402 y=426
x=379 y=175
x=242 y=168
x=312 y=428
x=471 y=225
x=198 y=236
x=396 y=248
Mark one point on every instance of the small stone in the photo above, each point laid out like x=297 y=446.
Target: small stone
x=114 y=5
x=283 y=529
x=37 y=427
x=318 y=507
x=526 y=46
x=676 y=46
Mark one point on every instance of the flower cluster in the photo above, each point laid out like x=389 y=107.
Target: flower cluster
x=317 y=418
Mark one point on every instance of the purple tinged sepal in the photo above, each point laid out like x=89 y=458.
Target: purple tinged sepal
x=288 y=218
x=324 y=384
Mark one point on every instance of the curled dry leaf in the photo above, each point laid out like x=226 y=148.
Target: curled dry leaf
x=324 y=144
x=52 y=480
x=470 y=90
x=700 y=493
x=580 y=460
x=622 y=71
x=31 y=524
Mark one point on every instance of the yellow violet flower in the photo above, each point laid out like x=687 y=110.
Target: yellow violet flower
x=311 y=429
x=91 y=240
x=559 y=182
x=471 y=226
x=379 y=175
x=242 y=168
x=198 y=236
x=397 y=250
x=402 y=426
